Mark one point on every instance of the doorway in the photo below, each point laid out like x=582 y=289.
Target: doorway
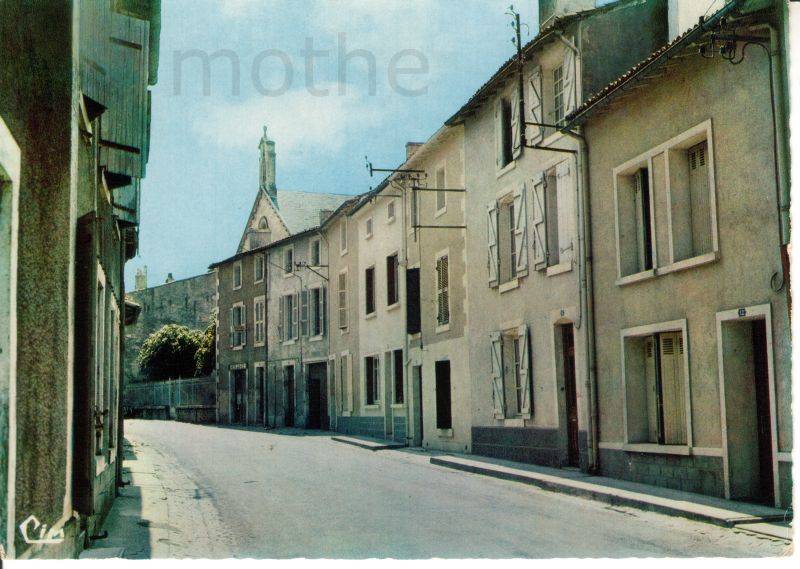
x=239 y=387
x=570 y=393
x=289 y=407
x=416 y=395
x=749 y=426
x=261 y=404
x=444 y=408
x=317 y=397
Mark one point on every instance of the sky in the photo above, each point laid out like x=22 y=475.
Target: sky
x=325 y=117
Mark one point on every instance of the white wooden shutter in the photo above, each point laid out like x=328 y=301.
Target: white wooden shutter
x=342 y=300
x=536 y=106
x=295 y=315
x=498 y=396
x=493 y=253
x=498 y=133
x=525 y=375
x=565 y=186
x=304 y=313
x=539 y=223
x=521 y=229
x=672 y=388
x=516 y=125
x=651 y=389
x=323 y=309
x=570 y=92
x=351 y=395
x=442 y=290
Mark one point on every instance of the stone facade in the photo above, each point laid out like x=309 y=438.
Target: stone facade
x=188 y=302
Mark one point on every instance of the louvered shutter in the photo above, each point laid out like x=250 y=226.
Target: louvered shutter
x=244 y=324
x=570 y=87
x=304 y=313
x=672 y=388
x=351 y=395
x=342 y=300
x=498 y=133
x=651 y=389
x=232 y=327
x=525 y=375
x=323 y=310
x=516 y=125
x=498 y=396
x=281 y=317
x=565 y=186
x=493 y=258
x=442 y=290
x=539 y=223
x=536 y=106
x=521 y=230
x=295 y=315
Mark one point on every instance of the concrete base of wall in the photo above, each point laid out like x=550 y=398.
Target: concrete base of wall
x=400 y=429
x=699 y=474
x=364 y=426
x=545 y=447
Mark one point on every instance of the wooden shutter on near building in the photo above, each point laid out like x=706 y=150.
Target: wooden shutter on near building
x=521 y=230
x=570 y=87
x=498 y=395
x=539 y=223
x=493 y=253
x=525 y=368
x=536 y=106
x=516 y=125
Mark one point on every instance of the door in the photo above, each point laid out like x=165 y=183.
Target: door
x=260 y=400
x=317 y=397
x=289 y=409
x=570 y=394
x=444 y=410
x=765 y=493
x=238 y=396
x=416 y=397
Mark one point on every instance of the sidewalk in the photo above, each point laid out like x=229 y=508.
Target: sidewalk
x=163 y=513
x=367 y=442
x=751 y=517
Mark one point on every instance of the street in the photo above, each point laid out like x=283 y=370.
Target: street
x=285 y=494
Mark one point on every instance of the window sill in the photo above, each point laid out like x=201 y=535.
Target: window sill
x=342 y=253
x=100 y=464
x=288 y=342
x=689 y=263
x=394 y=306
x=372 y=407
x=509 y=285
x=559 y=269
x=442 y=328
x=635 y=278
x=258 y=281
x=681 y=450
x=514 y=422
x=370 y=316
x=345 y=414
x=286 y=274
x=415 y=336
x=506 y=169
x=237 y=287
x=316 y=338
x=445 y=433
x=398 y=406
x=258 y=344
x=343 y=331
x=440 y=212
x=390 y=220
x=236 y=348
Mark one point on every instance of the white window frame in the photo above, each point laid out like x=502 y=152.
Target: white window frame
x=286 y=251
x=557 y=117
x=696 y=134
x=374 y=312
x=395 y=304
x=313 y=309
x=441 y=328
x=256 y=259
x=311 y=244
x=259 y=301
x=441 y=167
x=369 y=228
x=650 y=330
x=346 y=308
x=378 y=381
x=343 y=236
x=237 y=270
x=391 y=211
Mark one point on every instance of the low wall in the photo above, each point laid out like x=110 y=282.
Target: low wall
x=192 y=400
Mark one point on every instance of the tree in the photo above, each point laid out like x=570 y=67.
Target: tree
x=169 y=353
x=206 y=358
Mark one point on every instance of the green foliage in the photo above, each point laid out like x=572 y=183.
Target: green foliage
x=206 y=358
x=169 y=353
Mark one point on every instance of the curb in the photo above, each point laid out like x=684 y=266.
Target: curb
x=369 y=445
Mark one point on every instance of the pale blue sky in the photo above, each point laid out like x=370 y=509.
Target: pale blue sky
x=203 y=171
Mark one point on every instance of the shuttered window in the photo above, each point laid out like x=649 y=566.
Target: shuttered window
x=318 y=308
x=392 y=282
x=371 y=380
x=369 y=290
x=444 y=408
x=342 y=295
x=413 y=316
x=398 y=367
x=237 y=275
x=304 y=313
x=258 y=268
x=536 y=107
x=258 y=320
x=443 y=290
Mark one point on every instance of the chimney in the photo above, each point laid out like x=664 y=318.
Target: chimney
x=411 y=148
x=683 y=15
x=170 y=278
x=550 y=9
x=140 y=282
x=324 y=214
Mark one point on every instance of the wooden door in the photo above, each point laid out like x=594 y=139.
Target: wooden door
x=763 y=415
x=289 y=411
x=570 y=394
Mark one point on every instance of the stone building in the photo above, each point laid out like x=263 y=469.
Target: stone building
x=74 y=143
x=528 y=330
x=272 y=345
x=689 y=227
x=189 y=302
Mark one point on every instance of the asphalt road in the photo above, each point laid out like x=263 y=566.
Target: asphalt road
x=299 y=494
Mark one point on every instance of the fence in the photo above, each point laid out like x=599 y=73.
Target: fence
x=192 y=400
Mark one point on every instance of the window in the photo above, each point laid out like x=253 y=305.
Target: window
x=342 y=290
x=343 y=236
x=390 y=211
x=504 y=133
x=288 y=317
x=413 y=315
x=237 y=275
x=442 y=290
x=259 y=268
x=318 y=311
x=238 y=324
x=258 y=321
x=414 y=205
x=346 y=379
x=558 y=94
x=655 y=386
x=441 y=195
x=392 y=280
x=511 y=389
x=371 y=380
x=397 y=357
x=304 y=313
x=508 y=237
x=553 y=225
x=368 y=226
x=288 y=261
x=315 y=253
x=369 y=288
x=444 y=408
x=635 y=221
x=690 y=204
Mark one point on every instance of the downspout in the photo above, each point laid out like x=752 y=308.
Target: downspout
x=331 y=400
x=407 y=394
x=585 y=273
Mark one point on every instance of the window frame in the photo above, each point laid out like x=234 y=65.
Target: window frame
x=644 y=332
x=369 y=227
x=373 y=298
x=289 y=250
x=558 y=94
x=391 y=211
x=442 y=327
x=441 y=167
x=259 y=301
x=237 y=270
x=240 y=306
x=311 y=245
x=343 y=293
x=376 y=382
x=256 y=258
x=343 y=236
x=390 y=305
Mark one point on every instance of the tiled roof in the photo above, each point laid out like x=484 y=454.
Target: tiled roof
x=300 y=210
x=654 y=61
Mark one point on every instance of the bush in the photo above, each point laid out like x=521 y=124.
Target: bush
x=169 y=353
x=206 y=357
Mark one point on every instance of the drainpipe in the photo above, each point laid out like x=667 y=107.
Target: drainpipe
x=585 y=272
x=407 y=394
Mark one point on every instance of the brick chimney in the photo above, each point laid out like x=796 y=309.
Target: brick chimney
x=549 y=9
x=411 y=148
